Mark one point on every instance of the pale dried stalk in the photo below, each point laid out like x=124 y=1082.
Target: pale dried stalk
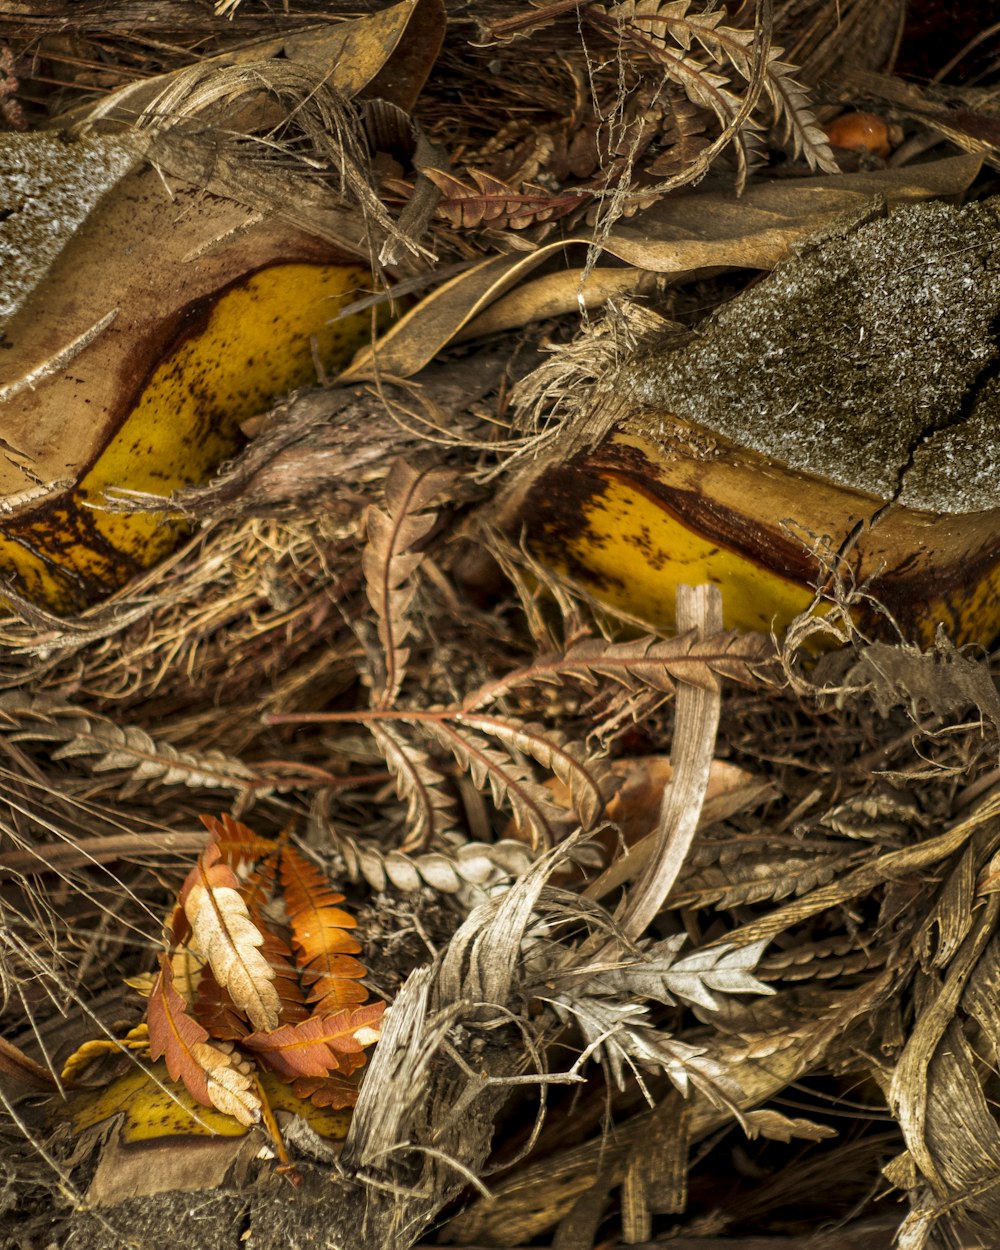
x=696 y=726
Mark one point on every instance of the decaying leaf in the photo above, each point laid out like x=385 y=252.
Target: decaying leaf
x=209 y=1073
x=324 y=949
x=703 y=232
x=661 y=973
x=943 y=679
x=320 y=1045
x=228 y=938
x=390 y=561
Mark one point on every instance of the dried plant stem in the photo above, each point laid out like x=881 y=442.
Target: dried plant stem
x=697 y=724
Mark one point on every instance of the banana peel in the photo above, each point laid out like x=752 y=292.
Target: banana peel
x=165 y=321
x=156 y=1108
x=841 y=416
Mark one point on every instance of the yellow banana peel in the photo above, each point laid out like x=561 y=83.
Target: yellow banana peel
x=166 y=321
x=649 y=510
x=840 y=419
x=154 y=1108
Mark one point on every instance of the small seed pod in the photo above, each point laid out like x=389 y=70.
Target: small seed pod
x=861 y=132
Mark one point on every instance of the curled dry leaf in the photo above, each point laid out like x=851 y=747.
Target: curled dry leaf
x=228 y=938
x=208 y=1072
x=389 y=561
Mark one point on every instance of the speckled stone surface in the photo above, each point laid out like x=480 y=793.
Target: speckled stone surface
x=869 y=359
x=48 y=186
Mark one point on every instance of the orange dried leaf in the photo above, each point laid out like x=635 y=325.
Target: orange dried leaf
x=238 y=845
x=207 y=1072
x=324 y=951
x=258 y=892
x=315 y=1047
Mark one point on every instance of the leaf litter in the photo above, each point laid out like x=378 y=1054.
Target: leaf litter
x=340 y=650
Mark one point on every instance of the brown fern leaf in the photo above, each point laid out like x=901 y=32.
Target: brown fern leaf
x=238 y=845
x=655 y=22
x=586 y=779
x=335 y=1091
x=430 y=810
x=492 y=203
x=389 y=562
x=511 y=784
x=324 y=951
x=317 y=1046
x=223 y=932
x=647 y=663
x=216 y=1012
x=207 y=1072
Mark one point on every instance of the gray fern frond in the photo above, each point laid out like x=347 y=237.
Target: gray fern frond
x=660 y=974
x=622 y=1035
x=757 y=879
x=109 y=747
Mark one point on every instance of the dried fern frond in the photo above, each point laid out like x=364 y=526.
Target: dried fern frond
x=667 y=33
x=764 y=876
x=431 y=813
x=471 y=865
x=491 y=203
x=389 y=562
x=510 y=782
x=659 y=973
x=324 y=947
x=110 y=746
x=648 y=663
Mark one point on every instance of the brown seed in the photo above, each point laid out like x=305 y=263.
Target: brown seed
x=860 y=132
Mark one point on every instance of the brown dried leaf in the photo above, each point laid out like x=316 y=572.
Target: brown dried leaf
x=318 y=1046
x=389 y=561
x=206 y=1071
x=498 y=205
x=585 y=778
x=646 y=663
x=510 y=782
x=430 y=809
x=224 y=933
x=944 y=679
